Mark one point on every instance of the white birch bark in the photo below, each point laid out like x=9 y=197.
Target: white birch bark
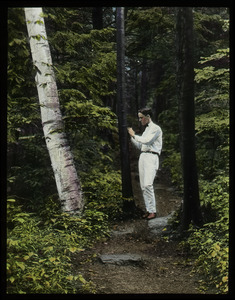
x=67 y=181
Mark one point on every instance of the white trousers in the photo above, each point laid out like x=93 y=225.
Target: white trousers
x=148 y=166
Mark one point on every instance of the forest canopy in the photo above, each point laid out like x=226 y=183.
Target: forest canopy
x=83 y=47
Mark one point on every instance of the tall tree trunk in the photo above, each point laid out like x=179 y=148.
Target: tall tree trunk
x=185 y=85
x=143 y=87
x=67 y=181
x=121 y=107
x=97 y=17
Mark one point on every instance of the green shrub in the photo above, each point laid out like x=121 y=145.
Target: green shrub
x=39 y=251
x=211 y=242
x=102 y=191
x=174 y=162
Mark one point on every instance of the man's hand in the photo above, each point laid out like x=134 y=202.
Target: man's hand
x=131 y=131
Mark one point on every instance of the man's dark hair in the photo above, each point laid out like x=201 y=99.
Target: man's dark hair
x=146 y=111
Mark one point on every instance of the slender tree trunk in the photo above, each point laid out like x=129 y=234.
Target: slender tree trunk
x=68 y=184
x=97 y=17
x=143 y=88
x=185 y=85
x=136 y=93
x=121 y=106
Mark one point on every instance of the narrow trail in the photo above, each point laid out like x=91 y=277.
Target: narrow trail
x=163 y=268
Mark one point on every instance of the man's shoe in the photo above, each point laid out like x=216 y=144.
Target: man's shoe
x=145 y=215
x=151 y=216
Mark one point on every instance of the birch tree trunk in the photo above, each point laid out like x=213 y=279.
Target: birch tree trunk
x=67 y=181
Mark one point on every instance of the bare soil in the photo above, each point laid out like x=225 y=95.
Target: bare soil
x=165 y=268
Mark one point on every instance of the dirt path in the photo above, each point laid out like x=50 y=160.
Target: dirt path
x=164 y=268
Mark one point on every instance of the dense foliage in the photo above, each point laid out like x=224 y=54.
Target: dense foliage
x=152 y=76
x=40 y=248
x=212 y=125
x=211 y=242
x=40 y=239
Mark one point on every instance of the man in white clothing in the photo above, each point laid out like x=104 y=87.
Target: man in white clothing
x=150 y=144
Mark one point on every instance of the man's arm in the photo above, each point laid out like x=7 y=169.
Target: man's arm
x=135 y=143
x=149 y=138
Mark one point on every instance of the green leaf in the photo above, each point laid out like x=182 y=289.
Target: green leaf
x=20 y=220
x=12 y=279
x=11 y=200
x=213 y=254
x=83 y=280
x=72 y=249
x=39 y=22
x=21 y=265
x=70 y=277
x=51 y=259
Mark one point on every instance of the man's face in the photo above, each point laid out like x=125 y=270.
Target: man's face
x=143 y=119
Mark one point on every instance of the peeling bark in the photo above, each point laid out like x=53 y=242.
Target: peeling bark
x=67 y=181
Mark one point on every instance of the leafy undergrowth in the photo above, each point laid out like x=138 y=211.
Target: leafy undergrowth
x=39 y=249
x=211 y=242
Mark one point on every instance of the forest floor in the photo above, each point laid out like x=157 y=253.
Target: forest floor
x=165 y=268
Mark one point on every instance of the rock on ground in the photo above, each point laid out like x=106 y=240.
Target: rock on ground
x=121 y=259
x=157 y=225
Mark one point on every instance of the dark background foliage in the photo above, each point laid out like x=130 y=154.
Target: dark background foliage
x=83 y=49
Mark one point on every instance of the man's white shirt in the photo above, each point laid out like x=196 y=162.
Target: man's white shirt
x=150 y=140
